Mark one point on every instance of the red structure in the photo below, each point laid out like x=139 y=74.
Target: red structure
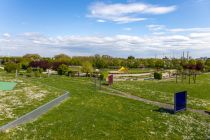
x=110 y=79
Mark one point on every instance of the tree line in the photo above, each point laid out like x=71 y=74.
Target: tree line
x=101 y=62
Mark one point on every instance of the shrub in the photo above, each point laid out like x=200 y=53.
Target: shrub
x=29 y=70
x=63 y=69
x=158 y=76
x=11 y=67
x=37 y=74
x=104 y=75
x=28 y=74
x=72 y=73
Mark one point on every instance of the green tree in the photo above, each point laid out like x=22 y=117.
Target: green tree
x=32 y=56
x=62 y=57
x=131 y=57
x=207 y=64
x=87 y=68
x=63 y=69
x=11 y=67
x=159 y=63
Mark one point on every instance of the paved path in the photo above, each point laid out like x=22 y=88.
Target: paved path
x=35 y=113
x=161 y=105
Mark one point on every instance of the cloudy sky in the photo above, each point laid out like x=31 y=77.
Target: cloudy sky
x=142 y=28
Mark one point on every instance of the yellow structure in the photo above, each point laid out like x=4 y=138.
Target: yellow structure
x=123 y=69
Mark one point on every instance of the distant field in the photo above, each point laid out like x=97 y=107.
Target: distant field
x=163 y=91
x=92 y=114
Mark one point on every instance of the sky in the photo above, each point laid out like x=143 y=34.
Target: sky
x=119 y=28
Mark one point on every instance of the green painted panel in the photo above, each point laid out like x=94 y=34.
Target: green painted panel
x=7 y=85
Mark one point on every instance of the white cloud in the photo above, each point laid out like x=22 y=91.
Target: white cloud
x=154 y=27
x=7 y=35
x=177 y=30
x=117 y=45
x=100 y=20
x=125 y=13
x=127 y=29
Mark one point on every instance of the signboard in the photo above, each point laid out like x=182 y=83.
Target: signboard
x=110 y=79
x=180 y=101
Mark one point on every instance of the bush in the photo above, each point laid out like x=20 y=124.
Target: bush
x=104 y=75
x=11 y=67
x=29 y=70
x=72 y=73
x=37 y=74
x=63 y=69
x=158 y=76
x=28 y=75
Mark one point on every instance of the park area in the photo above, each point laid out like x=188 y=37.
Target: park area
x=91 y=113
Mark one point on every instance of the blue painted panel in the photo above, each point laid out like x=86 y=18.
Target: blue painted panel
x=180 y=101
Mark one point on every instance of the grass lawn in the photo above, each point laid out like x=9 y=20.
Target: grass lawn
x=92 y=114
x=163 y=91
x=26 y=96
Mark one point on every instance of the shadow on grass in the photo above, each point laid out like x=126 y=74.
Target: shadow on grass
x=208 y=112
x=164 y=110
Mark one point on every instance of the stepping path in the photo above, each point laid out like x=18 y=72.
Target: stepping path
x=161 y=105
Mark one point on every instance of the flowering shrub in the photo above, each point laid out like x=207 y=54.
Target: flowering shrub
x=40 y=64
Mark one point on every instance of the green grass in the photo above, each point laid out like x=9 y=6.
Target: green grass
x=25 y=97
x=163 y=91
x=91 y=114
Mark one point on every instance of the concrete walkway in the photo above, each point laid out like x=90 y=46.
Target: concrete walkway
x=159 y=104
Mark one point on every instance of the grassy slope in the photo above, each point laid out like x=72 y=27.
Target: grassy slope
x=90 y=114
x=199 y=95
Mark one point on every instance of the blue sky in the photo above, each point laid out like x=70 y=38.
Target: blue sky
x=143 y=28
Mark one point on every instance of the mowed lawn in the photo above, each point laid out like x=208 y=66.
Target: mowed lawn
x=163 y=90
x=92 y=114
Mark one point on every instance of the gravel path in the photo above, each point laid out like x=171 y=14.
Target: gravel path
x=161 y=105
